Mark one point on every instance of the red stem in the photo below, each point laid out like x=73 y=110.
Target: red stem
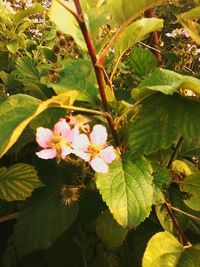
x=97 y=69
x=150 y=14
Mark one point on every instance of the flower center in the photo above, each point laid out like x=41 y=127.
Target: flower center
x=58 y=142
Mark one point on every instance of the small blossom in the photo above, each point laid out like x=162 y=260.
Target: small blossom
x=94 y=149
x=56 y=143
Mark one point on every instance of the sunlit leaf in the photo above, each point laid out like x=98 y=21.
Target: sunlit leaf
x=127 y=190
x=134 y=33
x=191 y=185
x=171 y=253
x=65 y=22
x=123 y=10
x=169 y=82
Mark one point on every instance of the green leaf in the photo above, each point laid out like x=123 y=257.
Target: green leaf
x=192 y=14
x=190 y=147
x=77 y=75
x=161 y=181
x=134 y=33
x=19 y=110
x=161 y=175
x=27 y=70
x=142 y=62
x=191 y=185
x=171 y=117
x=187 y=20
x=169 y=82
x=123 y=10
x=127 y=190
x=181 y=167
x=65 y=22
x=109 y=231
x=164 y=218
x=193 y=29
x=43 y=218
x=171 y=253
x=18 y=182
x=20 y=15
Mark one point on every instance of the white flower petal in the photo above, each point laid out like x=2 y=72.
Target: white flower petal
x=43 y=136
x=98 y=135
x=108 y=154
x=62 y=128
x=83 y=155
x=66 y=151
x=99 y=165
x=47 y=153
x=81 y=142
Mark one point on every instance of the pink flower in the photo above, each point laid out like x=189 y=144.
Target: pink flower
x=95 y=150
x=56 y=143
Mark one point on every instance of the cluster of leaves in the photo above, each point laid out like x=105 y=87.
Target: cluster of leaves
x=145 y=211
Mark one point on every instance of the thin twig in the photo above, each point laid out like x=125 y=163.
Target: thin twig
x=150 y=47
x=97 y=69
x=176 y=149
x=9 y=217
x=184 y=213
x=177 y=226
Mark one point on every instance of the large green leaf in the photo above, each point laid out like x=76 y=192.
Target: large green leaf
x=170 y=253
x=134 y=33
x=109 y=231
x=18 y=182
x=123 y=10
x=18 y=111
x=127 y=190
x=65 y=22
x=43 y=218
x=191 y=185
x=77 y=75
x=160 y=121
x=168 y=82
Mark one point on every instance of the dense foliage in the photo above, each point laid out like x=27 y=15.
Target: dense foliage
x=100 y=133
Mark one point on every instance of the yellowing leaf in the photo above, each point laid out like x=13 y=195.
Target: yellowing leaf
x=18 y=111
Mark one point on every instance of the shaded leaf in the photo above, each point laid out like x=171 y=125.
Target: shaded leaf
x=18 y=182
x=148 y=134
x=43 y=219
x=77 y=75
x=142 y=62
x=109 y=231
